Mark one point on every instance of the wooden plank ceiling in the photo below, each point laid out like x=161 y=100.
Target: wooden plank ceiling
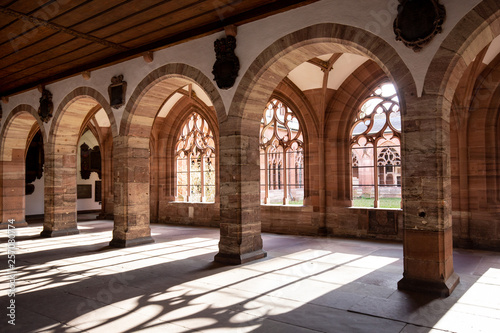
x=47 y=40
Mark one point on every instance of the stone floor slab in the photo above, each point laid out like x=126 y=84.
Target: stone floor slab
x=78 y=283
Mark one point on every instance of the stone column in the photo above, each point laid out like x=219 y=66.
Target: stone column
x=13 y=188
x=428 y=241
x=240 y=227
x=60 y=191
x=131 y=177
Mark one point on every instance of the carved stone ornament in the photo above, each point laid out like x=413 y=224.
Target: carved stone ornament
x=46 y=107
x=117 y=90
x=226 y=65
x=418 y=21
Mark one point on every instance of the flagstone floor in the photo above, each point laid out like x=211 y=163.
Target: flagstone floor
x=79 y=284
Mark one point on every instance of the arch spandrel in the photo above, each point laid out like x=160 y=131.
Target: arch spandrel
x=16 y=129
x=155 y=88
x=79 y=102
x=277 y=60
x=469 y=36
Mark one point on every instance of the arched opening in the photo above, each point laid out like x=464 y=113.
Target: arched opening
x=16 y=137
x=281 y=156
x=427 y=196
x=474 y=151
x=184 y=160
x=376 y=151
x=321 y=46
x=34 y=188
x=79 y=110
x=132 y=151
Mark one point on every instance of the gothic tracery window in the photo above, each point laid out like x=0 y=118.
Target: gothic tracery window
x=195 y=161
x=282 y=156
x=376 y=152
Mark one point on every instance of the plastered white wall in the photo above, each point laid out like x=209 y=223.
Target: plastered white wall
x=34 y=202
x=376 y=16
x=87 y=204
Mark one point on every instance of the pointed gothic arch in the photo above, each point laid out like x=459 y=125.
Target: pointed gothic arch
x=241 y=126
x=14 y=136
x=66 y=127
x=132 y=150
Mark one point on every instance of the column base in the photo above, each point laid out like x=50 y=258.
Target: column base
x=16 y=224
x=323 y=231
x=464 y=243
x=438 y=288
x=58 y=233
x=238 y=259
x=121 y=243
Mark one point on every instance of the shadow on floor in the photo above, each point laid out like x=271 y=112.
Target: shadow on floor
x=76 y=283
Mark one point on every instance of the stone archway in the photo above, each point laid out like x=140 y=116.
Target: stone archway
x=60 y=161
x=240 y=206
x=428 y=246
x=14 y=138
x=131 y=150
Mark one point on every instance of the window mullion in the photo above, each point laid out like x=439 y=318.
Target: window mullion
x=375 y=175
x=285 y=178
x=266 y=176
x=202 y=176
x=188 y=170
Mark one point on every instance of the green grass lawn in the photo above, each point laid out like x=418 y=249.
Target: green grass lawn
x=384 y=202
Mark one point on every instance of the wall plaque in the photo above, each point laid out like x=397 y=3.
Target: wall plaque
x=226 y=65
x=83 y=191
x=418 y=21
x=116 y=91
x=46 y=106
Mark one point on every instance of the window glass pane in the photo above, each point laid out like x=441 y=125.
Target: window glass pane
x=182 y=192
x=209 y=179
x=370 y=106
x=395 y=119
x=182 y=179
x=182 y=165
x=375 y=154
x=195 y=193
x=378 y=123
x=195 y=180
x=263 y=174
x=281 y=143
x=262 y=194
x=276 y=181
x=209 y=193
x=363 y=196
x=295 y=176
x=209 y=171
x=389 y=165
x=361 y=127
x=196 y=146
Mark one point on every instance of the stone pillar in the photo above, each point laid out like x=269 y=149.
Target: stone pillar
x=13 y=189
x=240 y=227
x=60 y=191
x=428 y=239
x=131 y=177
